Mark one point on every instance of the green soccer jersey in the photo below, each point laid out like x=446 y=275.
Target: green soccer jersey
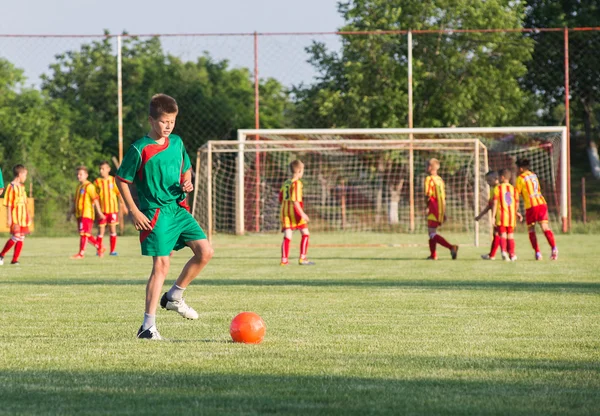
x=156 y=170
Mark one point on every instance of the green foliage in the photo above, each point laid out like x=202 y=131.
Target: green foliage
x=459 y=79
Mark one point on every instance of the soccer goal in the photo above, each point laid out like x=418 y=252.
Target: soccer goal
x=369 y=180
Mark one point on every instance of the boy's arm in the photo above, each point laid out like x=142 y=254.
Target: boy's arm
x=494 y=208
x=98 y=209
x=140 y=221
x=298 y=208
x=186 y=184
x=483 y=211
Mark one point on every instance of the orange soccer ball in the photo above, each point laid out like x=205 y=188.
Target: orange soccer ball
x=247 y=327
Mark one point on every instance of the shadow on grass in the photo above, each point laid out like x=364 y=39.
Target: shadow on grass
x=579 y=287
x=188 y=391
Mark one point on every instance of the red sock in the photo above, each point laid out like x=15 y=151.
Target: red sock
x=495 y=245
x=503 y=244
x=99 y=240
x=92 y=241
x=285 y=250
x=550 y=238
x=533 y=240
x=17 y=253
x=511 y=247
x=442 y=241
x=82 y=241
x=113 y=242
x=9 y=244
x=303 y=246
x=432 y=247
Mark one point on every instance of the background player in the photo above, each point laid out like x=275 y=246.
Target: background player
x=155 y=164
x=492 y=180
x=109 y=197
x=86 y=200
x=292 y=214
x=18 y=221
x=1 y=183
x=536 y=209
x=504 y=210
x=435 y=195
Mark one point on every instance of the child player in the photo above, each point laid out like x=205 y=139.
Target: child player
x=492 y=180
x=504 y=210
x=18 y=221
x=155 y=164
x=435 y=195
x=292 y=214
x=86 y=201
x=536 y=209
x=109 y=202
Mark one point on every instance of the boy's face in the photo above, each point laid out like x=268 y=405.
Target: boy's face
x=301 y=171
x=22 y=177
x=431 y=168
x=82 y=176
x=504 y=179
x=163 y=125
x=104 y=171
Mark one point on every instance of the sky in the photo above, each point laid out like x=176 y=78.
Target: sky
x=172 y=16
x=281 y=57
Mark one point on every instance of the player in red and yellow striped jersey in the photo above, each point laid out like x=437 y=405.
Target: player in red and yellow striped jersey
x=505 y=212
x=292 y=214
x=18 y=221
x=536 y=209
x=435 y=195
x=86 y=200
x=109 y=195
x=492 y=180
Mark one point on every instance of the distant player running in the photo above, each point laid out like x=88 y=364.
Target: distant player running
x=492 y=180
x=109 y=195
x=536 y=209
x=505 y=212
x=292 y=214
x=86 y=201
x=17 y=218
x=435 y=195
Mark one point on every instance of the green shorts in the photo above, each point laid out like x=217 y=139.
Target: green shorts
x=172 y=227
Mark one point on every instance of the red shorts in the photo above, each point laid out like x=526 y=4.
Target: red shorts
x=503 y=229
x=433 y=224
x=297 y=227
x=19 y=229
x=85 y=226
x=496 y=229
x=112 y=218
x=536 y=214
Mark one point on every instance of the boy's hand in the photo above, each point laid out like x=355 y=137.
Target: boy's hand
x=305 y=218
x=124 y=209
x=519 y=216
x=101 y=217
x=477 y=218
x=141 y=222
x=187 y=186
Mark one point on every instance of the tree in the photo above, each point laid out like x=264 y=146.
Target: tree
x=466 y=79
x=584 y=77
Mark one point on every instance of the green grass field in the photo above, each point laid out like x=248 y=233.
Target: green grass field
x=368 y=330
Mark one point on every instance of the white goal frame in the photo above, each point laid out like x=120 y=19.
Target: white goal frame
x=246 y=143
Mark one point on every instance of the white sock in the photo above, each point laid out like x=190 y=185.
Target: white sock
x=175 y=293
x=149 y=320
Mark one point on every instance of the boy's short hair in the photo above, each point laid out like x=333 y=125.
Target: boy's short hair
x=83 y=168
x=523 y=163
x=295 y=166
x=505 y=173
x=162 y=104
x=492 y=174
x=104 y=162
x=434 y=162
x=17 y=169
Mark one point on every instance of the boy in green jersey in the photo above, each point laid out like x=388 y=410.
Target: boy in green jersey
x=160 y=168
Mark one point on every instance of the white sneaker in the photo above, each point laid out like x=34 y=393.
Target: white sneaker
x=178 y=306
x=513 y=258
x=150 y=333
x=1 y=261
x=505 y=256
x=487 y=257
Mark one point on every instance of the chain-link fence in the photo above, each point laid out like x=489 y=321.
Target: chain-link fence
x=59 y=94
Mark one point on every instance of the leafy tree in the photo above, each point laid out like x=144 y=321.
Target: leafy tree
x=459 y=79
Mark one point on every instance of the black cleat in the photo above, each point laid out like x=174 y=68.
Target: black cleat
x=150 y=333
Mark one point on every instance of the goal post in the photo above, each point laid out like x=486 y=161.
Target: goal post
x=362 y=179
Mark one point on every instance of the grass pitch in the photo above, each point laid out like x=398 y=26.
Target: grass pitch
x=368 y=330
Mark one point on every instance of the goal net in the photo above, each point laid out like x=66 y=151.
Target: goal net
x=369 y=180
